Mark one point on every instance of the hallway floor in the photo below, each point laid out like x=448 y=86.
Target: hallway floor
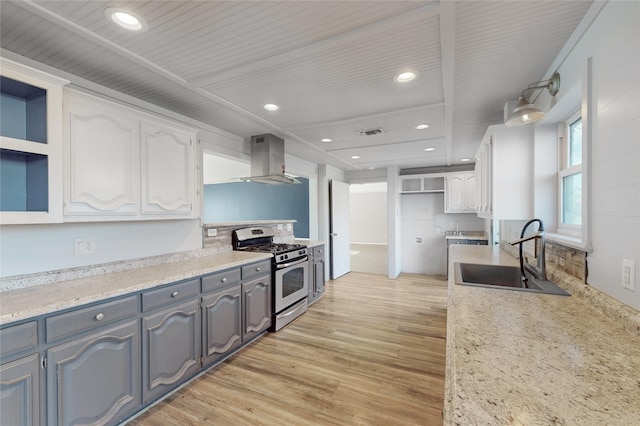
x=371 y=258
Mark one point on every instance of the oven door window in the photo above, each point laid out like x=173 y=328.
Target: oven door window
x=292 y=281
x=291 y=285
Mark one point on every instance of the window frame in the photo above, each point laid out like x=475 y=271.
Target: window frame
x=565 y=170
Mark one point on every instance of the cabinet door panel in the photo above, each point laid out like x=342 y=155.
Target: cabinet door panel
x=319 y=276
x=470 y=192
x=257 y=306
x=454 y=193
x=20 y=392
x=171 y=348
x=94 y=380
x=168 y=169
x=104 y=156
x=223 y=323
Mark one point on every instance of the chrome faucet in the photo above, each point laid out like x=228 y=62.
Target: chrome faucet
x=539 y=271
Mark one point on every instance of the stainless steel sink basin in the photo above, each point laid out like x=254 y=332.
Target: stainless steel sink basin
x=502 y=277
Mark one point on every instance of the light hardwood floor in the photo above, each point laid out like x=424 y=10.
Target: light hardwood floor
x=371 y=351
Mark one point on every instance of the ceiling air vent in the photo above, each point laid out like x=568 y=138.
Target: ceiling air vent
x=369 y=132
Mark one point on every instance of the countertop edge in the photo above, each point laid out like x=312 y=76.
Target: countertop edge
x=87 y=290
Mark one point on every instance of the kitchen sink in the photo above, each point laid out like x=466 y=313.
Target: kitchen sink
x=502 y=277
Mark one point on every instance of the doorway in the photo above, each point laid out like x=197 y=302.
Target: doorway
x=368 y=224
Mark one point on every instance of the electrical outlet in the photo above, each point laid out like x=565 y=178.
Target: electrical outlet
x=628 y=274
x=212 y=232
x=280 y=226
x=85 y=246
x=289 y=226
x=419 y=240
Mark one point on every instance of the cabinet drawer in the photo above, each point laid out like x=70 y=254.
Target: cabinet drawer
x=220 y=279
x=18 y=338
x=179 y=291
x=318 y=251
x=468 y=242
x=256 y=269
x=85 y=319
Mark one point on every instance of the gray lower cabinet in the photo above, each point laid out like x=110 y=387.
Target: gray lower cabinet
x=222 y=323
x=170 y=347
x=316 y=273
x=256 y=304
x=94 y=379
x=100 y=363
x=20 y=391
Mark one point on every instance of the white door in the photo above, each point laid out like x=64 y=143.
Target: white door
x=339 y=228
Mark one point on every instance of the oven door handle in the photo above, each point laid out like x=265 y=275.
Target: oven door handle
x=295 y=262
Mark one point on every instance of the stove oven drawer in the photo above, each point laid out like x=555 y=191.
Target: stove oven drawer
x=220 y=280
x=256 y=269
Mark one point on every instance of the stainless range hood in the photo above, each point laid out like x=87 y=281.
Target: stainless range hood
x=267 y=161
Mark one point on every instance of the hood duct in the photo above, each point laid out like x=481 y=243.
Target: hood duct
x=267 y=161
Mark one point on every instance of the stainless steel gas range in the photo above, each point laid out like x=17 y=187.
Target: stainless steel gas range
x=290 y=263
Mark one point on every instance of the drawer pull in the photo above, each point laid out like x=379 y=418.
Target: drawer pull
x=224 y=280
x=100 y=317
x=258 y=269
x=174 y=294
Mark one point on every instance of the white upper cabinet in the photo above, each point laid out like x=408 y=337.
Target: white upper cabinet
x=124 y=164
x=460 y=192
x=30 y=145
x=504 y=173
x=422 y=183
x=103 y=153
x=168 y=169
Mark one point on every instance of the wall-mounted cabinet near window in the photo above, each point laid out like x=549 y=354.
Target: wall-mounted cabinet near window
x=30 y=145
x=504 y=173
x=124 y=164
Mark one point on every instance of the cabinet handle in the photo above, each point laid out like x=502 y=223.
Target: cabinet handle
x=174 y=294
x=224 y=280
x=100 y=317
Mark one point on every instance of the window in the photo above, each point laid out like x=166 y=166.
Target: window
x=570 y=179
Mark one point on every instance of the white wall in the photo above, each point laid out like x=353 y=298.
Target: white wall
x=418 y=219
x=613 y=44
x=368 y=213
x=29 y=249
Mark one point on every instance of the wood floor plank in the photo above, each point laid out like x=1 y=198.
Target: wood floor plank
x=371 y=351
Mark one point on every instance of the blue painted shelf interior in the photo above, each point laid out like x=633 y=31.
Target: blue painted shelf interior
x=23 y=175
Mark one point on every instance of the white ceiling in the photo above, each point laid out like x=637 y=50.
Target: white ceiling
x=328 y=64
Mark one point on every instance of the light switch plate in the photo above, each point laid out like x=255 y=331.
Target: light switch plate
x=280 y=226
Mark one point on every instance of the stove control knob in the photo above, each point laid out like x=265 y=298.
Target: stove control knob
x=286 y=256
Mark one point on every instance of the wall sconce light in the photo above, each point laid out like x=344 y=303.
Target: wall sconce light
x=525 y=112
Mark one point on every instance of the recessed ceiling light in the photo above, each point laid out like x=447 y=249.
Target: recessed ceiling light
x=355 y=157
x=326 y=140
x=429 y=149
x=405 y=76
x=422 y=126
x=271 y=107
x=465 y=159
x=125 y=19
x=372 y=168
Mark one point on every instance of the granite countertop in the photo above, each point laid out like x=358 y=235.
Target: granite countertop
x=24 y=303
x=466 y=235
x=534 y=359
x=308 y=242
